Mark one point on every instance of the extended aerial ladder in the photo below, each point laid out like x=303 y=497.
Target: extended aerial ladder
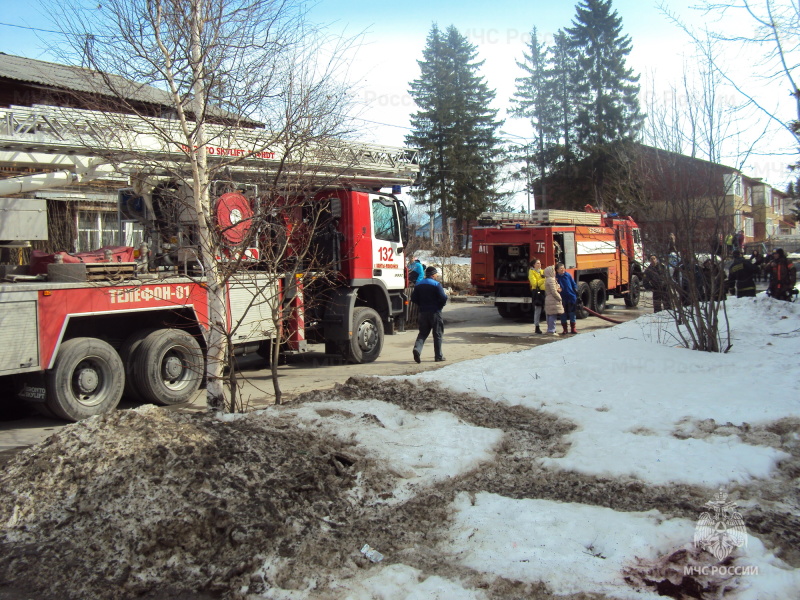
x=75 y=145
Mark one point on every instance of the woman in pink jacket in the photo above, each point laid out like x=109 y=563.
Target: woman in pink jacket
x=552 y=299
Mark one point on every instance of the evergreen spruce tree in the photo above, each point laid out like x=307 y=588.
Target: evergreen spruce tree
x=607 y=91
x=560 y=87
x=607 y=116
x=455 y=130
x=534 y=102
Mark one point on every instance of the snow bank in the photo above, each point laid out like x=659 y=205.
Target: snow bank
x=634 y=393
x=421 y=449
x=577 y=548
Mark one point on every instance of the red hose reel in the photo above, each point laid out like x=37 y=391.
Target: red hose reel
x=234 y=217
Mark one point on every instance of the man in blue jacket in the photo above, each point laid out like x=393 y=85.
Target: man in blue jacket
x=429 y=296
x=569 y=297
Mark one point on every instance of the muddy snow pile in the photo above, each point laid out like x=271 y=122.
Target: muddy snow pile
x=148 y=499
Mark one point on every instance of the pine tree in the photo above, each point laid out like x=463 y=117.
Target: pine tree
x=455 y=129
x=607 y=116
x=561 y=88
x=534 y=102
x=607 y=90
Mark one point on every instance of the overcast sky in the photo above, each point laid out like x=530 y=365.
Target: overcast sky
x=393 y=37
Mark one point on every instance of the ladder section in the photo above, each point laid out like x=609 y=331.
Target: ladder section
x=53 y=136
x=540 y=217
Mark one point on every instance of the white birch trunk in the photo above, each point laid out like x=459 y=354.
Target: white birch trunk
x=217 y=309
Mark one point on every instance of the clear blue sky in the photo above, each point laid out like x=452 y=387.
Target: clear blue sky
x=394 y=36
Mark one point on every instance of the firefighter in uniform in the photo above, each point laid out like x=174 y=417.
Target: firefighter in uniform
x=782 y=276
x=741 y=276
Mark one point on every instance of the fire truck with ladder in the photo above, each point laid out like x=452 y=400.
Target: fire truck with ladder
x=79 y=331
x=603 y=252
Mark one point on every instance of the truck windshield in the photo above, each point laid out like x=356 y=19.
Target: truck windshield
x=384 y=219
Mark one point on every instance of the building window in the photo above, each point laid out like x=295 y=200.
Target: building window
x=733 y=184
x=749 y=227
x=101 y=228
x=737 y=220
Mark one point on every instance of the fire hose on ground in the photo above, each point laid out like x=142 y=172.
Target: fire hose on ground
x=610 y=320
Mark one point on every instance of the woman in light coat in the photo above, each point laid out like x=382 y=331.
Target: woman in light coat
x=552 y=299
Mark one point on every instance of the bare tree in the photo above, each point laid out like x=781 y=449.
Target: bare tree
x=224 y=67
x=688 y=200
x=765 y=29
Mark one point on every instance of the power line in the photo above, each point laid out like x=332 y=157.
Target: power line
x=385 y=124
x=30 y=28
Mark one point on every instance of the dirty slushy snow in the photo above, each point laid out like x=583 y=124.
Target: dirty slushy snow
x=574 y=468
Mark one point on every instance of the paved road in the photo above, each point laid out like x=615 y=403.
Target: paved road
x=472 y=330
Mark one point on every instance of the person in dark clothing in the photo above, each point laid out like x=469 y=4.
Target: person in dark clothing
x=569 y=297
x=656 y=279
x=713 y=278
x=429 y=296
x=782 y=276
x=758 y=263
x=691 y=283
x=741 y=276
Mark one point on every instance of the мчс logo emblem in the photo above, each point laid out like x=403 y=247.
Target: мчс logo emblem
x=719 y=533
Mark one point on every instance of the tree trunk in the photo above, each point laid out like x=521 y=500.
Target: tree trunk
x=217 y=309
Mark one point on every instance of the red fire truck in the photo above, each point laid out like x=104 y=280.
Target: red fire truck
x=78 y=331
x=603 y=253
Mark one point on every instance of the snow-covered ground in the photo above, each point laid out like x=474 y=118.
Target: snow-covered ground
x=571 y=468
x=645 y=410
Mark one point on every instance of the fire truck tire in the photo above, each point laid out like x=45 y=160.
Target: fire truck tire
x=585 y=296
x=366 y=342
x=44 y=411
x=634 y=289
x=508 y=310
x=87 y=379
x=168 y=367
x=127 y=353
x=599 y=296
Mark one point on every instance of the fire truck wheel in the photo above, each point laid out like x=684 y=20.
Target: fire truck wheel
x=86 y=379
x=168 y=367
x=508 y=310
x=366 y=342
x=599 y=296
x=634 y=288
x=585 y=295
x=127 y=353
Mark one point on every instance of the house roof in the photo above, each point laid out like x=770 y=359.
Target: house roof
x=80 y=79
x=753 y=181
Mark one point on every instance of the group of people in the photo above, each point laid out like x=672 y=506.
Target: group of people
x=555 y=292
x=734 y=241
x=710 y=282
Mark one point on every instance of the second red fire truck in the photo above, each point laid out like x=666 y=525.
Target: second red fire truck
x=603 y=252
